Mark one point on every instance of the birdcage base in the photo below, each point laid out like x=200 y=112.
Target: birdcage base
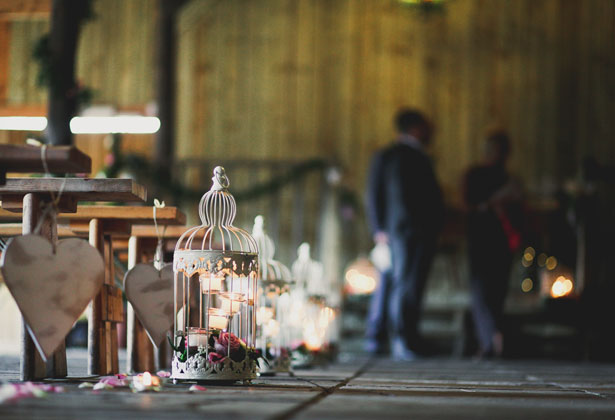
x=197 y=368
x=278 y=365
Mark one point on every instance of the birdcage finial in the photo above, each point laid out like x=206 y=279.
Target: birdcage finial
x=220 y=179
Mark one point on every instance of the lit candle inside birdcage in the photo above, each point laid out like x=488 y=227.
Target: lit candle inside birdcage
x=216 y=272
x=211 y=283
x=197 y=337
x=272 y=317
x=318 y=328
x=231 y=302
x=217 y=319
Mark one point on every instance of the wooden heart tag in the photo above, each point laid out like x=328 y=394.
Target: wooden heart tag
x=51 y=290
x=150 y=292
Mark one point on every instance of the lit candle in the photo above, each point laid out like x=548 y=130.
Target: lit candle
x=197 y=337
x=211 y=283
x=217 y=318
x=231 y=302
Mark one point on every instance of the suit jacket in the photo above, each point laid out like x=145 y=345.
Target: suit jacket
x=403 y=196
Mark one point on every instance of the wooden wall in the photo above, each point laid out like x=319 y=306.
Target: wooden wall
x=299 y=78
x=115 y=55
x=291 y=79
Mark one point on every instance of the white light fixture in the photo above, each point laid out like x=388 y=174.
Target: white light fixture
x=132 y=124
x=23 y=123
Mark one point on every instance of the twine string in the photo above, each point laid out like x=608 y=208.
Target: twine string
x=49 y=209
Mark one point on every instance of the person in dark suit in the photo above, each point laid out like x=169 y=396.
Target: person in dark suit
x=493 y=199
x=405 y=210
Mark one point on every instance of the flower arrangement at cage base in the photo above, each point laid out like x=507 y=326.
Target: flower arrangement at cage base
x=221 y=344
x=303 y=354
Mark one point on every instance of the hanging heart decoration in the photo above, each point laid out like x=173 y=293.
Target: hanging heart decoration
x=150 y=292
x=51 y=289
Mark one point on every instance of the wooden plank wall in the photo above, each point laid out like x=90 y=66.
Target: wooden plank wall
x=115 y=55
x=291 y=79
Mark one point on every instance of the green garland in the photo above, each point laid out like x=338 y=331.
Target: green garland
x=143 y=169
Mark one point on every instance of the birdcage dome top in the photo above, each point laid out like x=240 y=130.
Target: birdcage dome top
x=271 y=270
x=216 y=242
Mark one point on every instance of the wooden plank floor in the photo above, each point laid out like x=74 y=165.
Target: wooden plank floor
x=353 y=388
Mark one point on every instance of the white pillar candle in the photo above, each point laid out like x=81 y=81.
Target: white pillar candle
x=231 y=302
x=197 y=337
x=217 y=319
x=210 y=283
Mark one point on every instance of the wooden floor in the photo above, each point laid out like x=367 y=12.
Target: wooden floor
x=355 y=388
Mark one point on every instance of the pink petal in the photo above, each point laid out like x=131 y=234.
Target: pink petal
x=197 y=388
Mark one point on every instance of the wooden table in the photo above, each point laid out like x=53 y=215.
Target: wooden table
x=139 y=240
x=25 y=195
x=119 y=222
x=141 y=355
x=28 y=159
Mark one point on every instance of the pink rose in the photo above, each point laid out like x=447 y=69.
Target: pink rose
x=238 y=350
x=221 y=343
x=215 y=357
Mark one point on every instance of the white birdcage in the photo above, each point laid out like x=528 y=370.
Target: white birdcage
x=313 y=322
x=216 y=271
x=272 y=330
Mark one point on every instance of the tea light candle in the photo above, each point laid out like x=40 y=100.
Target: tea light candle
x=217 y=318
x=231 y=302
x=197 y=337
x=210 y=283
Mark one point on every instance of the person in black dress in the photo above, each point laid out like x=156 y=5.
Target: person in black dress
x=493 y=200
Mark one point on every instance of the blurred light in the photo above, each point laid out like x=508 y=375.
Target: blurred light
x=551 y=263
x=527 y=284
x=23 y=123
x=264 y=315
x=561 y=287
x=132 y=124
x=542 y=259
x=525 y=262
x=531 y=251
x=272 y=328
x=312 y=339
x=361 y=277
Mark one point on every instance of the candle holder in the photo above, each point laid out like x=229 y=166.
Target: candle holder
x=210 y=342
x=231 y=302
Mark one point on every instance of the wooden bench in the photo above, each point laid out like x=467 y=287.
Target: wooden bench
x=132 y=229
x=25 y=195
